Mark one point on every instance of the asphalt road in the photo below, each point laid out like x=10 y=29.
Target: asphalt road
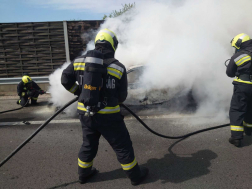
x=49 y=160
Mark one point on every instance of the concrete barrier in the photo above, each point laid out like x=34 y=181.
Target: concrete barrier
x=11 y=89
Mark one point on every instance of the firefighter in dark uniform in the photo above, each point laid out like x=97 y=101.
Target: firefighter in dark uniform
x=28 y=89
x=108 y=121
x=241 y=104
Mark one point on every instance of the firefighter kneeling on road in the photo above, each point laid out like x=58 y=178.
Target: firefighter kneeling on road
x=102 y=87
x=28 y=89
x=241 y=104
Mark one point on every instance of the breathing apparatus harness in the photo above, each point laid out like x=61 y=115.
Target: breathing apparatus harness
x=93 y=82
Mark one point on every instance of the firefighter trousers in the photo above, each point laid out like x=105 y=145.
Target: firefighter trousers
x=113 y=129
x=24 y=99
x=241 y=110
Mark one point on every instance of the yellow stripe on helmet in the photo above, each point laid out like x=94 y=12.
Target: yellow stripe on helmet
x=107 y=35
x=240 y=38
x=26 y=79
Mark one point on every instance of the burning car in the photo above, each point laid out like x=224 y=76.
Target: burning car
x=138 y=95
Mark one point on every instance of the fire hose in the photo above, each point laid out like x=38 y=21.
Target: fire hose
x=16 y=108
x=124 y=106
x=171 y=137
x=226 y=62
x=37 y=131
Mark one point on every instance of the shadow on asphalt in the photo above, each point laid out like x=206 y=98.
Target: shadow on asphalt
x=39 y=103
x=170 y=168
x=43 y=103
x=176 y=169
x=247 y=140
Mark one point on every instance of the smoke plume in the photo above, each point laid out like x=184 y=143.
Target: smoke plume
x=182 y=43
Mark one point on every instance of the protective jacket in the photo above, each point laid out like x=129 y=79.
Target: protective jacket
x=240 y=64
x=22 y=89
x=241 y=103
x=116 y=81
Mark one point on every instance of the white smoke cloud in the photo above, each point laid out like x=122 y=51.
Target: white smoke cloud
x=183 y=44
x=59 y=95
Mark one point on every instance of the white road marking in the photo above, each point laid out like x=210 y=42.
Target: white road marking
x=66 y=121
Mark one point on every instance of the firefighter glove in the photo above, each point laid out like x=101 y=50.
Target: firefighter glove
x=41 y=92
x=30 y=93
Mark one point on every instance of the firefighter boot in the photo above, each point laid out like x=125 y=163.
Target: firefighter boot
x=247 y=131
x=34 y=102
x=18 y=101
x=84 y=178
x=141 y=177
x=235 y=142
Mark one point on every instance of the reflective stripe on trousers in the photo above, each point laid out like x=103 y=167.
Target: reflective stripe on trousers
x=247 y=124
x=237 y=128
x=129 y=166
x=83 y=164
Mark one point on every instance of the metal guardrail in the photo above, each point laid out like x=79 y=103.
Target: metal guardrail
x=16 y=80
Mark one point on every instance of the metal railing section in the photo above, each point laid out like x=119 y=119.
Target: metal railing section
x=16 y=80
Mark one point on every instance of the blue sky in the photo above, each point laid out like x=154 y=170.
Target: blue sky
x=56 y=10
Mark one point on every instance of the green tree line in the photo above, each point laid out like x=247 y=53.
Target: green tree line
x=116 y=13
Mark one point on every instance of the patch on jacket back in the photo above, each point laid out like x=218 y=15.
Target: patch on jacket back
x=91 y=88
x=110 y=83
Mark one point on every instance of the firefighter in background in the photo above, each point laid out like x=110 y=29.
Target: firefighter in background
x=28 y=89
x=241 y=104
x=108 y=121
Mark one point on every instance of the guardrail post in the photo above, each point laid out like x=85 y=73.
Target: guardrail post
x=66 y=41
